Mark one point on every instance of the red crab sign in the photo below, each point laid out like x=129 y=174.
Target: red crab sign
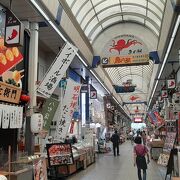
x=125 y=50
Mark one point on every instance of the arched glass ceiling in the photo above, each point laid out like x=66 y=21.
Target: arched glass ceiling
x=96 y=15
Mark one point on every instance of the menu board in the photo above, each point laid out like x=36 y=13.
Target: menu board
x=169 y=142
x=59 y=154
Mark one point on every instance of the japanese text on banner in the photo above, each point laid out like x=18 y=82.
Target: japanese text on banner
x=57 y=70
x=69 y=103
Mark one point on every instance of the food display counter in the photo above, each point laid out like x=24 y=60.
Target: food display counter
x=83 y=155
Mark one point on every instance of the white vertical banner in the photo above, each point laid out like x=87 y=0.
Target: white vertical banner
x=57 y=70
x=5 y=118
x=67 y=109
x=12 y=118
x=19 y=117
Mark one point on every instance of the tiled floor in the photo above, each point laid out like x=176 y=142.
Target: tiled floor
x=108 y=167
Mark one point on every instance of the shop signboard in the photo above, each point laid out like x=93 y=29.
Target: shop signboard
x=9 y=93
x=40 y=169
x=59 y=154
x=125 y=50
x=48 y=112
x=11 y=116
x=67 y=109
x=9 y=57
x=14 y=31
x=57 y=70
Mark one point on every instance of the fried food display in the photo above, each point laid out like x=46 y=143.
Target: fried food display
x=9 y=55
x=16 y=76
x=3 y=59
x=15 y=51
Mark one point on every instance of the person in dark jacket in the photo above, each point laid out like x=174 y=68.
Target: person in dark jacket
x=115 y=140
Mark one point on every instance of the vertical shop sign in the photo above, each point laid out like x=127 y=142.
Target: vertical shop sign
x=67 y=109
x=48 y=112
x=13 y=30
x=57 y=70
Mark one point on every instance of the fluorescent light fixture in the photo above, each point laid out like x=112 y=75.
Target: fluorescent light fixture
x=54 y=27
x=166 y=57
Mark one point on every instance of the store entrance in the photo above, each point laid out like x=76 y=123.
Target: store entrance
x=8 y=137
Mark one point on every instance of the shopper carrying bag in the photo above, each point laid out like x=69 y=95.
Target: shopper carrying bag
x=140 y=151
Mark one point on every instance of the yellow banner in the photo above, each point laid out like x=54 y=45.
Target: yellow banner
x=127 y=60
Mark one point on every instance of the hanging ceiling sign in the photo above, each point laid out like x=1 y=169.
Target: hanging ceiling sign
x=125 y=50
x=57 y=70
x=93 y=92
x=14 y=30
x=164 y=94
x=67 y=109
x=171 y=83
x=9 y=93
x=124 y=89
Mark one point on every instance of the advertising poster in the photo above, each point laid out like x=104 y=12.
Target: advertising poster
x=40 y=170
x=59 y=154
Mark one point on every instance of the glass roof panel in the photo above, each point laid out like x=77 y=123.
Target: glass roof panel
x=70 y=2
x=82 y=14
x=99 y=29
x=111 y=21
x=108 y=12
x=156 y=10
x=154 y=17
x=140 y=2
x=134 y=9
x=133 y=18
x=77 y=6
x=159 y=3
x=148 y=24
x=106 y=4
x=90 y=26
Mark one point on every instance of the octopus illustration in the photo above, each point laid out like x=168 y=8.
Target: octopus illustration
x=122 y=44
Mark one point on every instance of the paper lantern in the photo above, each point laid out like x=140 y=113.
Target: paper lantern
x=25 y=98
x=2 y=177
x=36 y=122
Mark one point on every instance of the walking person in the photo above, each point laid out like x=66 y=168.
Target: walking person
x=140 y=151
x=115 y=139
